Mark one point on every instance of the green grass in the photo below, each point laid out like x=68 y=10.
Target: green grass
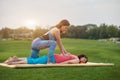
x=96 y=51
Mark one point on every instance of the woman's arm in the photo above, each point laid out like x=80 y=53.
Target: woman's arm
x=59 y=41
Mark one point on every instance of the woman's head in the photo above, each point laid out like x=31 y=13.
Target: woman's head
x=63 y=25
x=83 y=58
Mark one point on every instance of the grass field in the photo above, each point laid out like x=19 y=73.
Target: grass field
x=106 y=52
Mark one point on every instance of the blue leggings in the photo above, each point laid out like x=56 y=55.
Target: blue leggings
x=39 y=44
x=40 y=60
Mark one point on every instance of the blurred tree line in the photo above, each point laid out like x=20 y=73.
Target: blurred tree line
x=88 y=31
x=21 y=33
x=92 y=31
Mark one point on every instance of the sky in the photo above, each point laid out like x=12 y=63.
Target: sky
x=46 y=13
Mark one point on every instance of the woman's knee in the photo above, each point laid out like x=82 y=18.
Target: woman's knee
x=52 y=42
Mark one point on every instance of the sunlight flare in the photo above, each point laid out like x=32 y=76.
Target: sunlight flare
x=31 y=23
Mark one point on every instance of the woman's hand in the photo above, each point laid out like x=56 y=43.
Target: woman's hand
x=63 y=51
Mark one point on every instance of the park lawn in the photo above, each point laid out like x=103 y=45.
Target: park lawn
x=97 y=51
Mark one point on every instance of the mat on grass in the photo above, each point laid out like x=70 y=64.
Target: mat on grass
x=55 y=65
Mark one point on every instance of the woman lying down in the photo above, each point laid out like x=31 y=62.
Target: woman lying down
x=59 y=59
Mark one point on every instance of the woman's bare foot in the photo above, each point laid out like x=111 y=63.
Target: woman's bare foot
x=8 y=60
x=15 y=58
x=11 y=59
x=9 y=63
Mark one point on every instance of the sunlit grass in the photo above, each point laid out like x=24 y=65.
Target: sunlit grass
x=96 y=51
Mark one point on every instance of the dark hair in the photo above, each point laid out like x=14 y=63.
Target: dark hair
x=64 y=22
x=83 y=55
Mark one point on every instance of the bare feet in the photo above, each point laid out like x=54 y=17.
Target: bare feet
x=9 y=63
x=8 y=60
x=11 y=59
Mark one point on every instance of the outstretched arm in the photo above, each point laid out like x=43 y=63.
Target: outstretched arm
x=59 y=41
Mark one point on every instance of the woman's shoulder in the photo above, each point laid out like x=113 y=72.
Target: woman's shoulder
x=54 y=30
x=73 y=56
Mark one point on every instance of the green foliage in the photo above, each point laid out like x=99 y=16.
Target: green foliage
x=91 y=31
x=38 y=32
x=5 y=32
x=103 y=31
x=112 y=31
x=88 y=31
x=119 y=33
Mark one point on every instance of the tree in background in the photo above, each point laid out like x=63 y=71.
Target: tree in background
x=103 y=32
x=93 y=33
x=70 y=33
x=39 y=31
x=5 y=32
x=88 y=31
x=21 y=33
x=119 y=33
x=112 y=31
x=79 y=31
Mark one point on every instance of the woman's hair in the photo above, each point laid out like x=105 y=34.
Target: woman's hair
x=81 y=56
x=63 y=23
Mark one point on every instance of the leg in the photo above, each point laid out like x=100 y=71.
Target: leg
x=40 y=60
x=35 y=51
x=39 y=44
x=15 y=60
x=6 y=61
x=48 y=43
x=22 y=61
x=11 y=59
x=51 y=52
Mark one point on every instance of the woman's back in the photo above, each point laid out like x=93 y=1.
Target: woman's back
x=61 y=58
x=50 y=35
